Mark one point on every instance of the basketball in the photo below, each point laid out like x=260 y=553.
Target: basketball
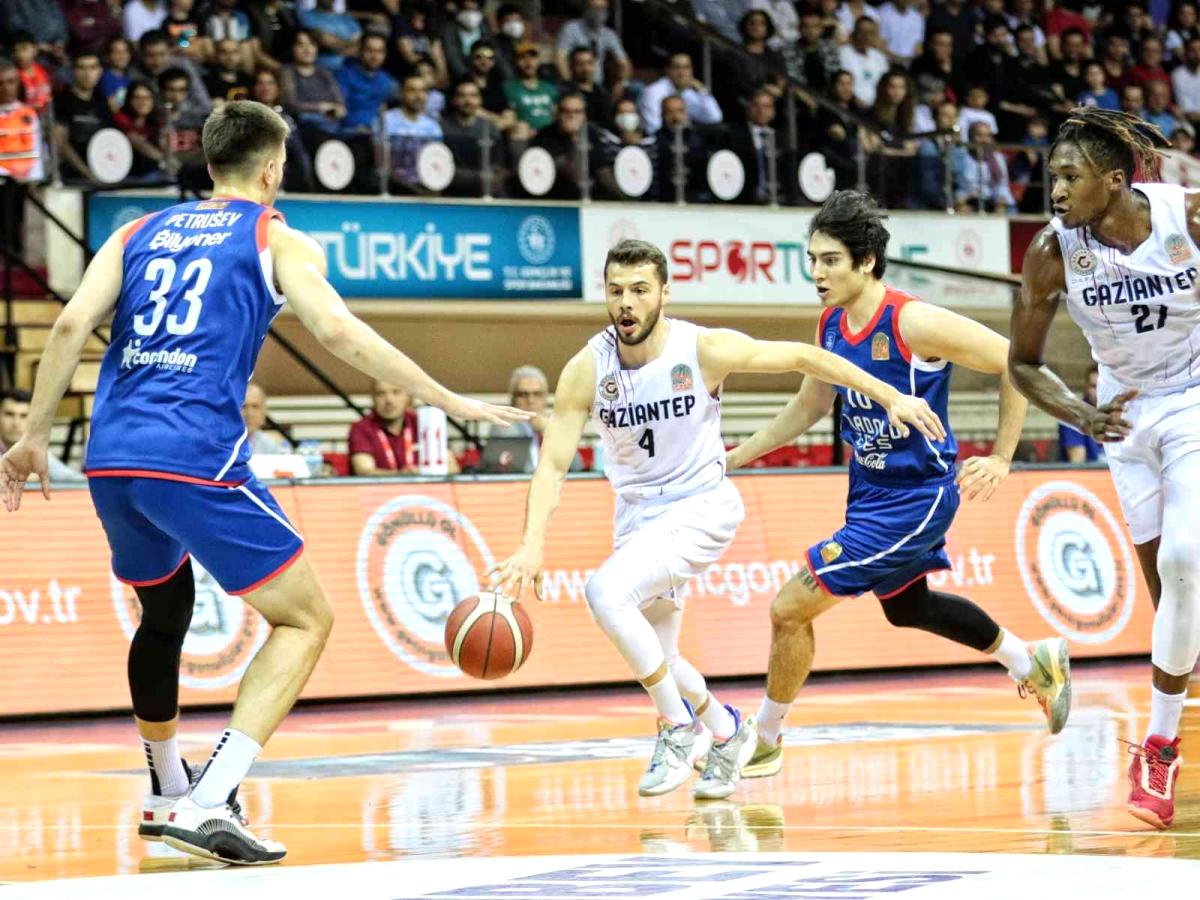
x=488 y=636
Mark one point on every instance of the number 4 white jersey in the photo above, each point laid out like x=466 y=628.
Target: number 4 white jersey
x=660 y=427
x=1139 y=310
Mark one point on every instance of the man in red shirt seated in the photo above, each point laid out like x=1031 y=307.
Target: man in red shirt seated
x=385 y=440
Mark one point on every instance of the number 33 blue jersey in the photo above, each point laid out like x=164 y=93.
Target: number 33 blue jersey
x=197 y=299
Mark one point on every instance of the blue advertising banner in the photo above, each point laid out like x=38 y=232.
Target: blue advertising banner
x=388 y=249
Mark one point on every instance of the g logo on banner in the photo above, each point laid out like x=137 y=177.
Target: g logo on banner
x=1075 y=562
x=417 y=558
x=224 y=635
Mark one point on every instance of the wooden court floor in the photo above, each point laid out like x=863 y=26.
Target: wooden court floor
x=951 y=762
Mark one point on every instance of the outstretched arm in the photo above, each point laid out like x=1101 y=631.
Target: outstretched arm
x=932 y=332
x=572 y=406
x=802 y=412
x=724 y=351
x=1042 y=284
x=91 y=304
x=301 y=269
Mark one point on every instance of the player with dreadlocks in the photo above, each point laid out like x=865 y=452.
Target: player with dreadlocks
x=1125 y=255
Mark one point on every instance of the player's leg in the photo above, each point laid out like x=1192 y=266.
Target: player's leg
x=1147 y=554
x=153 y=671
x=1175 y=641
x=659 y=549
x=628 y=580
x=1155 y=483
x=243 y=539
x=793 y=648
x=301 y=618
x=667 y=618
x=149 y=560
x=730 y=739
x=885 y=530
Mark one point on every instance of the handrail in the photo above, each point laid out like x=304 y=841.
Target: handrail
x=995 y=277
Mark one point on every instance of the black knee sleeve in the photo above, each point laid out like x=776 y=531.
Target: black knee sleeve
x=947 y=615
x=157 y=645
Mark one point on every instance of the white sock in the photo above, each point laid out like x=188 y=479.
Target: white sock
x=166 y=767
x=667 y=701
x=1013 y=655
x=770 y=719
x=718 y=719
x=1165 y=712
x=230 y=762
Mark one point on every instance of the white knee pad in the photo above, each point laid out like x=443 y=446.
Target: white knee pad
x=1175 y=642
x=609 y=599
x=614 y=604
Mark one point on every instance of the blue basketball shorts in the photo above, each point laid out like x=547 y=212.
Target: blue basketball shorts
x=892 y=537
x=238 y=533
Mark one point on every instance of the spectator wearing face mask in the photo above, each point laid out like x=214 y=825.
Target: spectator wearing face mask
x=627 y=131
x=591 y=32
x=511 y=30
x=460 y=34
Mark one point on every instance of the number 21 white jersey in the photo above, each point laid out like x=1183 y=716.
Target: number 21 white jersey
x=1140 y=310
x=660 y=427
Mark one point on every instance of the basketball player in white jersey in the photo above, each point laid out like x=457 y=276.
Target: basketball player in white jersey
x=652 y=386
x=1126 y=256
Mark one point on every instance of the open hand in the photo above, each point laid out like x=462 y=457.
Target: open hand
x=521 y=570
x=459 y=407
x=981 y=475
x=24 y=459
x=908 y=410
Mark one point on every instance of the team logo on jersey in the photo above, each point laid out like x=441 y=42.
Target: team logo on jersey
x=133 y=356
x=831 y=551
x=881 y=348
x=1083 y=261
x=1177 y=248
x=223 y=637
x=418 y=558
x=681 y=378
x=212 y=204
x=609 y=389
x=1075 y=562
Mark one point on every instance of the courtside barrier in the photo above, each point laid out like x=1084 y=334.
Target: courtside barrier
x=1047 y=555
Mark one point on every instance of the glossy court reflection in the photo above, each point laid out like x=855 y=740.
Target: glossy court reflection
x=945 y=763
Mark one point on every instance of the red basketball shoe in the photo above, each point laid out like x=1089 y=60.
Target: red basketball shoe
x=1152 y=776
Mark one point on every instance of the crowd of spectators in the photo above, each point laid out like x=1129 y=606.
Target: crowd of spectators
x=922 y=90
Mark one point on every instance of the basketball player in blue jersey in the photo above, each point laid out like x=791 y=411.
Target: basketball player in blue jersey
x=903 y=488
x=191 y=291
x=1125 y=257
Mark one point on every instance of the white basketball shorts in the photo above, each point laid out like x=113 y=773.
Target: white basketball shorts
x=686 y=535
x=1166 y=428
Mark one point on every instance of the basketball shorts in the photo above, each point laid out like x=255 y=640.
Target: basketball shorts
x=1166 y=428
x=660 y=545
x=238 y=534
x=892 y=537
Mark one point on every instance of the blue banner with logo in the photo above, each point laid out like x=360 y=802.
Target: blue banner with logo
x=387 y=249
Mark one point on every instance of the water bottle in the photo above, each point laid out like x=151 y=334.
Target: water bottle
x=310 y=452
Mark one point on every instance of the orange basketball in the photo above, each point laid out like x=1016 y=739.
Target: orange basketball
x=489 y=636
